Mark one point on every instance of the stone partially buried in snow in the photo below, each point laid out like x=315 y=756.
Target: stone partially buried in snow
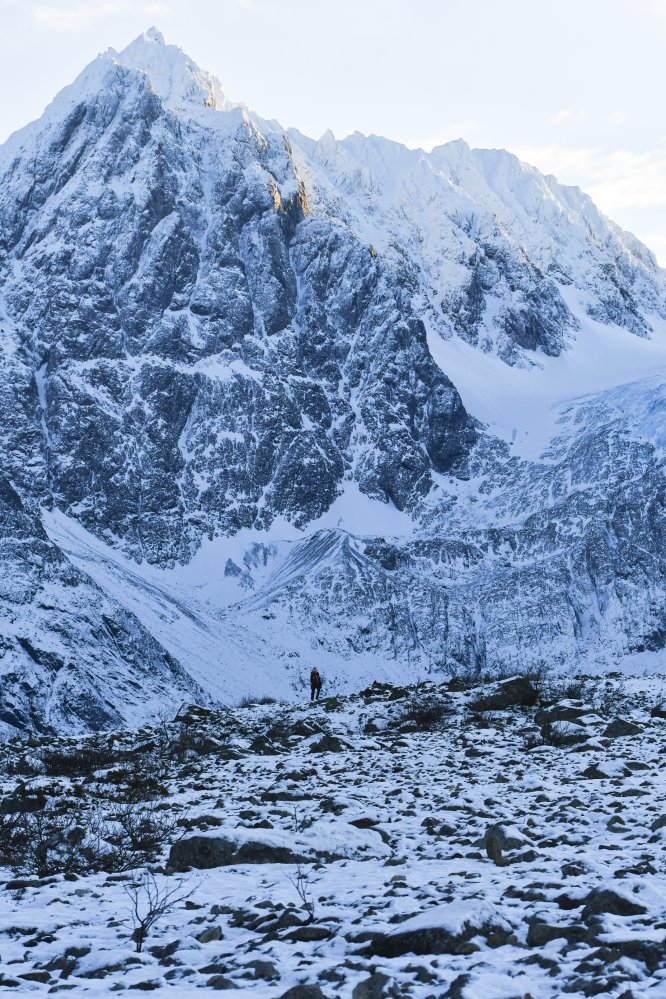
x=328 y=744
x=238 y=846
x=445 y=929
x=602 y=901
x=506 y=837
x=323 y=840
x=619 y=728
x=518 y=691
x=377 y=986
x=305 y=991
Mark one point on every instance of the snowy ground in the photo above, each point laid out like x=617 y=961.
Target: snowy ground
x=414 y=893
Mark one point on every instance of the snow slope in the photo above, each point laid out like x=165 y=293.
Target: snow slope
x=456 y=853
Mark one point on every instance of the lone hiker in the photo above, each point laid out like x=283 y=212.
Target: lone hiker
x=315 y=684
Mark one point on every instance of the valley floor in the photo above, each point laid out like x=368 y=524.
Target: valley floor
x=420 y=842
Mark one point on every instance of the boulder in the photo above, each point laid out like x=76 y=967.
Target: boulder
x=219 y=983
x=376 y=986
x=189 y=714
x=562 y=711
x=309 y=934
x=325 y=840
x=518 y=691
x=210 y=934
x=240 y=846
x=540 y=934
x=328 y=744
x=458 y=987
x=606 y=770
x=619 y=728
x=445 y=929
x=651 y=953
x=603 y=900
x=303 y=992
x=22 y=802
x=261 y=969
x=502 y=837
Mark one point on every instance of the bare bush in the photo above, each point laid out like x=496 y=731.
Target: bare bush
x=562 y=734
x=137 y=834
x=249 y=701
x=79 y=761
x=42 y=842
x=83 y=838
x=300 y=881
x=150 y=902
x=423 y=714
x=610 y=698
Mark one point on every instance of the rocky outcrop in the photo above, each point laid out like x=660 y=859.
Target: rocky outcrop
x=228 y=357
x=70 y=656
x=492 y=248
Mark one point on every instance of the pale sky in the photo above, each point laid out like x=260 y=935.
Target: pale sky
x=575 y=87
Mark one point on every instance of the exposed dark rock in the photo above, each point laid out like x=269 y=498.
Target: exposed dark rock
x=327 y=744
x=620 y=727
x=303 y=992
x=376 y=986
x=438 y=939
x=219 y=851
x=604 y=900
x=540 y=934
x=560 y=712
x=516 y=692
x=504 y=838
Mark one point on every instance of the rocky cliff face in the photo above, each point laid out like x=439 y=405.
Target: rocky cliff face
x=488 y=242
x=72 y=657
x=212 y=330
x=205 y=354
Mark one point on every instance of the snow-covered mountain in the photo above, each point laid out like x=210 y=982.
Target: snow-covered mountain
x=267 y=399
x=488 y=242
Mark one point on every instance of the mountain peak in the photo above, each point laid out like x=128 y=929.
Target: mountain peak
x=154 y=35
x=176 y=78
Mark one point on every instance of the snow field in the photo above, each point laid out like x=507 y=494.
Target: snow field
x=418 y=807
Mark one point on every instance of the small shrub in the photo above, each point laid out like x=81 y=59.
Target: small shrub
x=574 y=690
x=79 y=761
x=247 y=702
x=79 y=839
x=302 y=886
x=423 y=714
x=149 y=902
x=562 y=734
x=532 y=740
x=610 y=700
x=250 y=702
x=139 y=834
x=42 y=843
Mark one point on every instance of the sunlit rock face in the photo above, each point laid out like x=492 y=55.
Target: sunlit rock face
x=214 y=330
